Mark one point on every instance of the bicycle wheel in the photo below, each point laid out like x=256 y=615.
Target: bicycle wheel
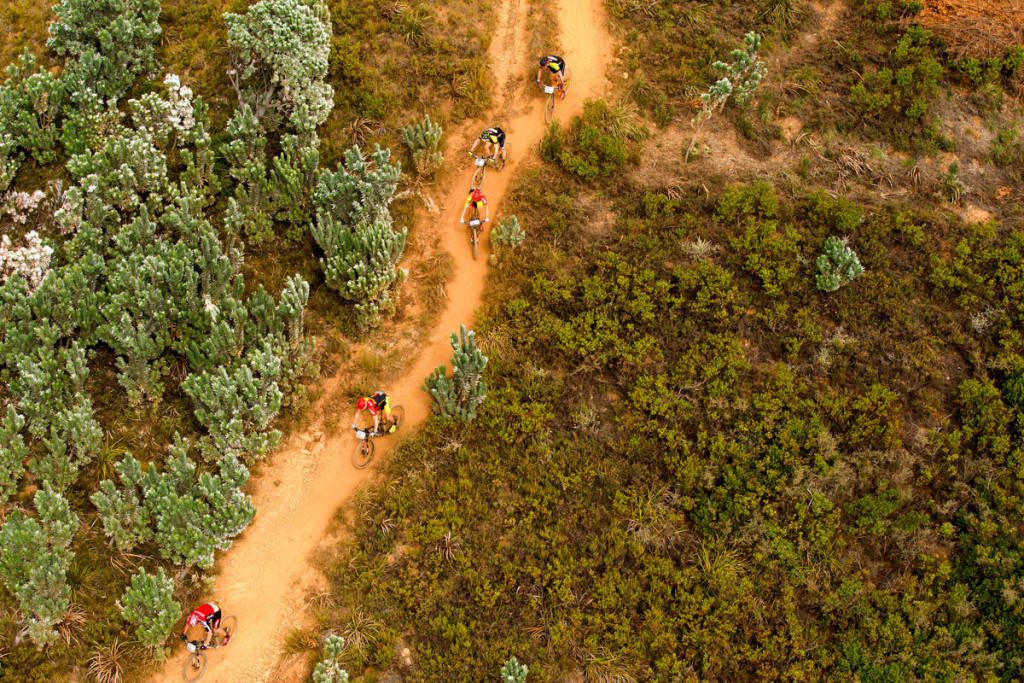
x=474 y=231
x=195 y=666
x=398 y=416
x=363 y=454
x=568 y=80
x=474 y=215
x=549 y=108
x=478 y=177
x=230 y=625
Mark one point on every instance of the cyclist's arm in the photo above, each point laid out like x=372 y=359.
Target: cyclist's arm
x=355 y=418
x=540 y=72
x=487 y=212
x=462 y=219
x=475 y=143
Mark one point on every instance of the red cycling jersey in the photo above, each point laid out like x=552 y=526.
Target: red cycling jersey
x=202 y=615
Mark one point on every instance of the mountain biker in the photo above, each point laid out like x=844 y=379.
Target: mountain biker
x=476 y=198
x=494 y=142
x=374 y=403
x=556 y=65
x=208 y=616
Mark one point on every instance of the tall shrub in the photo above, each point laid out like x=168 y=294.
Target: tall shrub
x=279 y=49
x=739 y=80
x=424 y=139
x=112 y=41
x=461 y=394
x=328 y=669
x=34 y=559
x=354 y=228
x=149 y=603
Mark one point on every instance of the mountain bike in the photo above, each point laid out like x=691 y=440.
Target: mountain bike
x=389 y=424
x=474 y=223
x=550 y=90
x=195 y=665
x=483 y=162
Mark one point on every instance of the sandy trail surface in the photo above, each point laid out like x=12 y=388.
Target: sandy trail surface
x=265 y=576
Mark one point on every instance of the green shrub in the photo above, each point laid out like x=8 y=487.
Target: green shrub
x=150 y=604
x=107 y=43
x=904 y=86
x=507 y=234
x=838 y=266
x=423 y=139
x=1008 y=147
x=596 y=144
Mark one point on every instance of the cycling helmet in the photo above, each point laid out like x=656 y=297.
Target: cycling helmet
x=362 y=404
x=486 y=135
x=544 y=61
x=477 y=194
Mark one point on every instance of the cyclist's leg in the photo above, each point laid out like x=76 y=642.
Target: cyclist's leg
x=213 y=624
x=389 y=420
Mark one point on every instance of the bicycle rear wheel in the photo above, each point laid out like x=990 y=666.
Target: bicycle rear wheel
x=363 y=454
x=478 y=177
x=230 y=625
x=474 y=216
x=549 y=108
x=195 y=666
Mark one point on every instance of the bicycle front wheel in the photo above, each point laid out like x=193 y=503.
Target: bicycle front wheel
x=363 y=454
x=195 y=666
x=549 y=108
x=474 y=238
x=229 y=625
x=567 y=80
x=398 y=415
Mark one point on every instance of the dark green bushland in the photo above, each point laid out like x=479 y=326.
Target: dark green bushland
x=693 y=465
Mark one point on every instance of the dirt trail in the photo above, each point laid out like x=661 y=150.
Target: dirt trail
x=264 y=576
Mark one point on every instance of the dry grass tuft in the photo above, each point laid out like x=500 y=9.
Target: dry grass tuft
x=106 y=664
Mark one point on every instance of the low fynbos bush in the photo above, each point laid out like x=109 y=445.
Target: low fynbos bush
x=838 y=266
x=905 y=85
x=596 y=143
x=423 y=139
x=507 y=234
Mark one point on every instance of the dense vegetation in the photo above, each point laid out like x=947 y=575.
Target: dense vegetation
x=756 y=430
x=152 y=339
x=751 y=423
